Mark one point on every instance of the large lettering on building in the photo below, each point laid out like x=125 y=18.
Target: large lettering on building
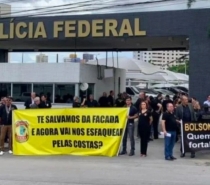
x=72 y=29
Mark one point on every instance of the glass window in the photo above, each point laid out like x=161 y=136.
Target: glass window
x=21 y=92
x=5 y=89
x=46 y=89
x=64 y=93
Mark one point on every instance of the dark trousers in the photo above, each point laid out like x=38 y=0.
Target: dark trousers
x=155 y=117
x=144 y=132
x=169 y=144
x=129 y=130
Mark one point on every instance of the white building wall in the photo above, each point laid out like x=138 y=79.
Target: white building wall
x=40 y=72
x=61 y=73
x=88 y=74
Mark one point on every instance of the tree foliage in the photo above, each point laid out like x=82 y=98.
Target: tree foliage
x=180 y=68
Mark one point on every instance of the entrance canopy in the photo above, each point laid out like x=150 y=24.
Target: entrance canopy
x=167 y=77
x=129 y=64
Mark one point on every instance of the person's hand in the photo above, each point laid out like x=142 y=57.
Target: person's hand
x=164 y=133
x=178 y=121
x=128 y=117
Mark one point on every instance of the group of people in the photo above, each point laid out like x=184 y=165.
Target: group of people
x=6 y=108
x=149 y=111
x=171 y=113
x=103 y=102
x=35 y=101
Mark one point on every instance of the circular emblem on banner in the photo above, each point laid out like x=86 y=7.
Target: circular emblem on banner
x=21 y=131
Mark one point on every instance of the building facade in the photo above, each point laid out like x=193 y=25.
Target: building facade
x=163 y=59
x=61 y=86
x=5 y=10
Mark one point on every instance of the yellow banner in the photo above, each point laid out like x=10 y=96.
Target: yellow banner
x=68 y=131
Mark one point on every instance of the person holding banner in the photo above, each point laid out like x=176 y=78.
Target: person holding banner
x=129 y=130
x=169 y=126
x=145 y=120
x=185 y=113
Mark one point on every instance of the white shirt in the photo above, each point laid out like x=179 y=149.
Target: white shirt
x=207 y=102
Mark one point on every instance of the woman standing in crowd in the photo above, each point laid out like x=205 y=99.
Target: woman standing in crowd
x=145 y=120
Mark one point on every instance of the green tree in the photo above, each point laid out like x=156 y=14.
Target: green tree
x=180 y=68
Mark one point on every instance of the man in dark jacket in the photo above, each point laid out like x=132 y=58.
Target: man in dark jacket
x=6 y=123
x=185 y=113
x=30 y=101
x=111 y=99
x=142 y=97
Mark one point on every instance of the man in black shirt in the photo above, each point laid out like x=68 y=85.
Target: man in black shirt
x=91 y=102
x=120 y=102
x=129 y=130
x=169 y=126
x=156 y=112
x=103 y=100
x=185 y=113
x=111 y=99
x=6 y=123
x=165 y=102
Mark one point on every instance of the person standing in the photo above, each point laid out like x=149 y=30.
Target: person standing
x=77 y=104
x=103 y=100
x=156 y=112
x=207 y=101
x=185 y=113
x=169 y=126
x=120 y=102
x=111 y=99
x=91 y=102
x=165 y=102
x=6 y=124
x=129 y=130
x=44 y=102
x=145 y=120
x=36 y=103
x=142 y=97
x=30 y=101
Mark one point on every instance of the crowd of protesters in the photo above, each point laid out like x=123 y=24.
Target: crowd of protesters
x=149 y=111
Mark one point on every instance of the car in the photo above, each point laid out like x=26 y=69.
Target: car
x=182 y=88
x=133 y=93
x=149 y=92
x=174 y=90
x=165 y=92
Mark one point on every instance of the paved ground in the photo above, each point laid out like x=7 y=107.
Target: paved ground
x=123 y=170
